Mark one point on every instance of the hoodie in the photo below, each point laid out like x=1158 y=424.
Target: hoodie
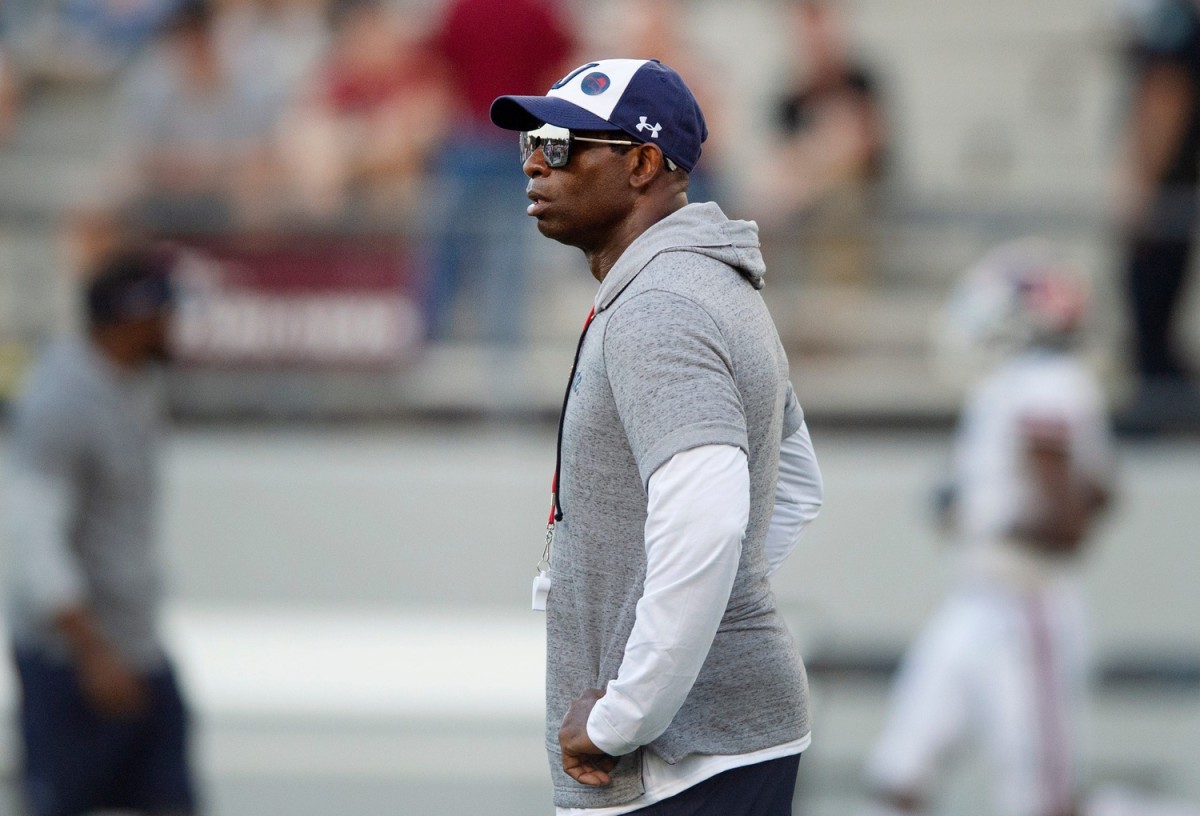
x=697 y=228
x=682 y=353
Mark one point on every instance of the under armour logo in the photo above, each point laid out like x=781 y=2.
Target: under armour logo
x=644 y=125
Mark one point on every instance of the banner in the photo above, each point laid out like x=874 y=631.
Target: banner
x=295 y=301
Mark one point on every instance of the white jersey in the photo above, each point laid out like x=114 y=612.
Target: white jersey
x=1035 y=394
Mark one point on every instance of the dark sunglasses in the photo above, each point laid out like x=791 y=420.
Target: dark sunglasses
x=555 y=143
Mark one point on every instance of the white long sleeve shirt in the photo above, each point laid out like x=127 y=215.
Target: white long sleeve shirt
x=699 y=506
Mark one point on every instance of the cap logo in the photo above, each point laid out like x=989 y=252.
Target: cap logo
x=644 y=125
x=595 y=84
x=572 y=75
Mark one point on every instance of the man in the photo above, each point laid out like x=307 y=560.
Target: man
x=685 y=471
x=102 y=720
x=822 y=176
x=196 y=140
x=1159 y=201
x=1004 y=659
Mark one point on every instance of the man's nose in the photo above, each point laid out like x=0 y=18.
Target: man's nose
x=535 y=166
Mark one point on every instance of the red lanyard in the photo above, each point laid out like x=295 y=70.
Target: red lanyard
x=556 y=512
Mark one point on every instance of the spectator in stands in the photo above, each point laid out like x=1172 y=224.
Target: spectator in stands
x=278 y=41
x=491 y=47
x=197 y=137
x=1159 y=200
x=10 y=96
x=359 y=142
x=658 y=29
x=829 y=150
x=81 y=40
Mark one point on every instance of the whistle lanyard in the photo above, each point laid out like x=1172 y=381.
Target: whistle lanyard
x=556 y=513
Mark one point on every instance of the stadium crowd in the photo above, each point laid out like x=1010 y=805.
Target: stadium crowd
x=240 y=117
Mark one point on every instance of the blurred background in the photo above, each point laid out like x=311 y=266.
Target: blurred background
x=372 y=341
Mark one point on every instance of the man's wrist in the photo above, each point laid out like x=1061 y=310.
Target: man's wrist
x=604 y=736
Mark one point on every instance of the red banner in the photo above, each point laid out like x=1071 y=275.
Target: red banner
x=296 y=300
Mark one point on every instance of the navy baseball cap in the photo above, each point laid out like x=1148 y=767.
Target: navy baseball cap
x=132 y=285
x=643 y=98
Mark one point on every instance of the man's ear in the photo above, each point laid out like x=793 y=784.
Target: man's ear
x=650 y=162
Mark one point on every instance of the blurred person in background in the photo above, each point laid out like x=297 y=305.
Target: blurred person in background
x=11 y=87
x=1158 y=200
x=828 y=152
x=278 y=41
x=685 y=473
x=1004 y=660
x=658 y=29
x=80 y=41
x=481 y=248
x=197 y=137
x=365 y=131
x=102 y=720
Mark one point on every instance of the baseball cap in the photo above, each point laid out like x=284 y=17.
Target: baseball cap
x=132 y=285
x=641 y=97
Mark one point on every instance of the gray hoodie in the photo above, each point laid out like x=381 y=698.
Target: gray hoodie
x=682 y=353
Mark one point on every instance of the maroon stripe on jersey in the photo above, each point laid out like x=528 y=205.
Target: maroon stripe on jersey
x=1052 y=742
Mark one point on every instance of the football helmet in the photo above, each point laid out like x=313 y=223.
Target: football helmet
x=1021 y=294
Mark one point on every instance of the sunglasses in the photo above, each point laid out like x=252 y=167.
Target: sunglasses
x=555 y=143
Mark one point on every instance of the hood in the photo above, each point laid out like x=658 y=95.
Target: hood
x=699 y=228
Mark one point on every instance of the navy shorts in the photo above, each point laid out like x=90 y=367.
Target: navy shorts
x=76 y=761
x=762 y=789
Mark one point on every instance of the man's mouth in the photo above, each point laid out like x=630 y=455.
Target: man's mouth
x=538 y=206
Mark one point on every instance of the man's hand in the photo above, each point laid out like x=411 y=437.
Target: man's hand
x=1064 y=504
x=582 y=760
x=113 y=689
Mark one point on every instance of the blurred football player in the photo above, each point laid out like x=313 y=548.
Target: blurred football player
x=1003 y=663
